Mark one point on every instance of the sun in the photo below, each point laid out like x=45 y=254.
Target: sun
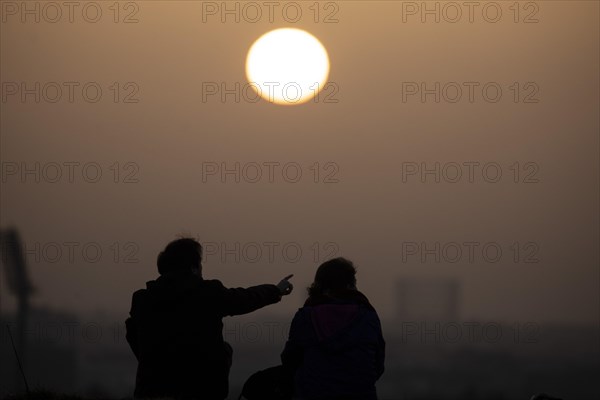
x=287 y=66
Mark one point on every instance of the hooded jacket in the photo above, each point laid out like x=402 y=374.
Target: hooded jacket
x=175 y=331
x=335 y=348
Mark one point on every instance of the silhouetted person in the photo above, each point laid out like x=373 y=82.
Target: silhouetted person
x=335 y=349
x=175 y=328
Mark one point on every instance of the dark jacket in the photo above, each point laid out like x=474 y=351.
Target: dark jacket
x=175 y=331
x=335 y=348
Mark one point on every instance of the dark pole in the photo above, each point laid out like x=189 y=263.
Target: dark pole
x=19 y=284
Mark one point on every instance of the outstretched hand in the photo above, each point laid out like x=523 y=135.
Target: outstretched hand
x=284 y=286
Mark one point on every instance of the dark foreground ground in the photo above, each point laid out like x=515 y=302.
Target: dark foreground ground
x=46 y=395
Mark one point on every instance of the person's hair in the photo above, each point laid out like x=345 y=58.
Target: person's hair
x=337 y=274
x=179 y=255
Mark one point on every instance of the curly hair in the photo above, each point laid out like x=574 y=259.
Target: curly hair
x=333 y=275
x=179 y=255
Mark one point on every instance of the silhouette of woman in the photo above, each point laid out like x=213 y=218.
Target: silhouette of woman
x=335 y=348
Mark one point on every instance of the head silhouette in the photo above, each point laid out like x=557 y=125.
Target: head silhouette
x=335 y=275
x=181 y=255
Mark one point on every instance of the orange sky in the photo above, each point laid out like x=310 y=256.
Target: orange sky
x=368 y=136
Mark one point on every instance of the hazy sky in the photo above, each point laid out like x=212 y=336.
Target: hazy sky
x=366 y=151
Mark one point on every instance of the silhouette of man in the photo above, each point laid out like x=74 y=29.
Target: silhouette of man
x=175 y=326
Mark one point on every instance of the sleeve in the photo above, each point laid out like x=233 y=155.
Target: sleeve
x=131 y=326
x=380 y=352
x=293 y=352
x=238 y=301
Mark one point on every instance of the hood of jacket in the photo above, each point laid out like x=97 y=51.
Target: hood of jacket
x=337 y=318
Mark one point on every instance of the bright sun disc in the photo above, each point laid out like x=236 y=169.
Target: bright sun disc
x=287 y=66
